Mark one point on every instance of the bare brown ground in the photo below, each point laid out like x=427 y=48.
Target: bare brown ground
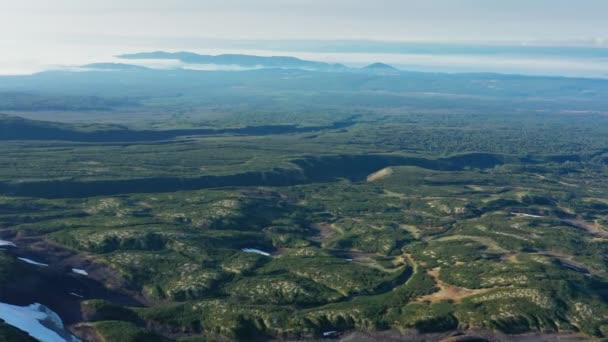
x=380 y=174
x=412 y=229
x=447 y=291
x=401 y=260
x=592 y=228
x=326 y=232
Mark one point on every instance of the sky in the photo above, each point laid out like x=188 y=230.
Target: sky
x=485 y=20
x=69 y=31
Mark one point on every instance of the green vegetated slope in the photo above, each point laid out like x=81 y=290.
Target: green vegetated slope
x=404 y=219
x=498 y=248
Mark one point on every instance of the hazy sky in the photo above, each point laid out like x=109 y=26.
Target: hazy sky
x=485 y=20
x=37 y=35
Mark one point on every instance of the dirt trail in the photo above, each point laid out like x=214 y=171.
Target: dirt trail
x=447 y=291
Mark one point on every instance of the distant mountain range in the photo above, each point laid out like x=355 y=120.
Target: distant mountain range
x=236 y=59
x=381 y=66
x=246 y=61
x=113 y=66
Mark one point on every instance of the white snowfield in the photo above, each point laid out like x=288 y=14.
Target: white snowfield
x=38 y=321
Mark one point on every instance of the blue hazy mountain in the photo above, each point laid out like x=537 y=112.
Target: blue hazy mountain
x=380 y=68
x=114 y=67
x=236 y=59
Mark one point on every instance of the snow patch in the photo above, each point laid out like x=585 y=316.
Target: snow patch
x=79 y=271
x=331 y=333
x=7 y=243
x=527 y=215
x=256 y=251
x=37 y=320
x=32 y=262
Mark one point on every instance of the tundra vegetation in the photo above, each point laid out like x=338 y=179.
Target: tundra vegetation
x=385 y=201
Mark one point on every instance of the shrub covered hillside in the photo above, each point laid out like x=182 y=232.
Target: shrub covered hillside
x=306 y=203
